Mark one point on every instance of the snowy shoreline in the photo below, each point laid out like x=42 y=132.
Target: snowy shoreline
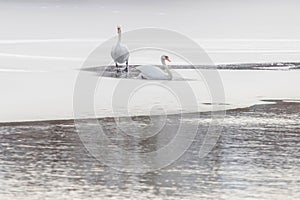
x=49 y=96
x=64 y=120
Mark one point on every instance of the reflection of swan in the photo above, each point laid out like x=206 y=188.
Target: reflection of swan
x=120 y=52
x=154 y=72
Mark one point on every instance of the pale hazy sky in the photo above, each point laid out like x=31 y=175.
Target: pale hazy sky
x=263 y=19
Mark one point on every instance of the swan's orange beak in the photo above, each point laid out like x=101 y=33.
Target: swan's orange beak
x=168 y=59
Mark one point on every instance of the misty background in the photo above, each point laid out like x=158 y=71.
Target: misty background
x=231 y=31
x=234 y=19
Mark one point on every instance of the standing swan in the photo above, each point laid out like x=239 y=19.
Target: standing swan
x=154 y=72
x=120 y=52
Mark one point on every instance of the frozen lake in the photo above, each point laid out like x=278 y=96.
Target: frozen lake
x=38 y=77
x=31 y=95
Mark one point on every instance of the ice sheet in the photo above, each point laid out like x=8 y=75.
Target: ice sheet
x=31 y=95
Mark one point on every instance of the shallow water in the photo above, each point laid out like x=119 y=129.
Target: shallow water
x=256 y=157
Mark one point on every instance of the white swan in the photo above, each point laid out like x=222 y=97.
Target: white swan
x=155 y=72
x=120 y=52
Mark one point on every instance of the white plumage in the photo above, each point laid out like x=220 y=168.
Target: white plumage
x=120 y=52
x=155 y=72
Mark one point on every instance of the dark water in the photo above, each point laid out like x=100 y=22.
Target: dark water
x=257 y=156
x=106 y=70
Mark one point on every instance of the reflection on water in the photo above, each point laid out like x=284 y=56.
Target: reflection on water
x=257 y=156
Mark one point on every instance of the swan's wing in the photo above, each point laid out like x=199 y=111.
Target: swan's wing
x=120 y=53
x=152 y=72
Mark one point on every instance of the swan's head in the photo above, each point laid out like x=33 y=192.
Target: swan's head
x=164 y=57
x=119 y=29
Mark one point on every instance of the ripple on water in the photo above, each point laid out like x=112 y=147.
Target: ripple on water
x=257 y=156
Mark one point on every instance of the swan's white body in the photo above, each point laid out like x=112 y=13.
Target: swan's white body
x=120 y=52
x=154 y=72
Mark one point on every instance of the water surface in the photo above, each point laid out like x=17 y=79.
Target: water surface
x=256 y=157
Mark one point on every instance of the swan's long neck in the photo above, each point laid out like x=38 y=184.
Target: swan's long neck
x=119 y=37
x=163 y=61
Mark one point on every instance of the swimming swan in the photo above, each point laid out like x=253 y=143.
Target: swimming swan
x=154 y=72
